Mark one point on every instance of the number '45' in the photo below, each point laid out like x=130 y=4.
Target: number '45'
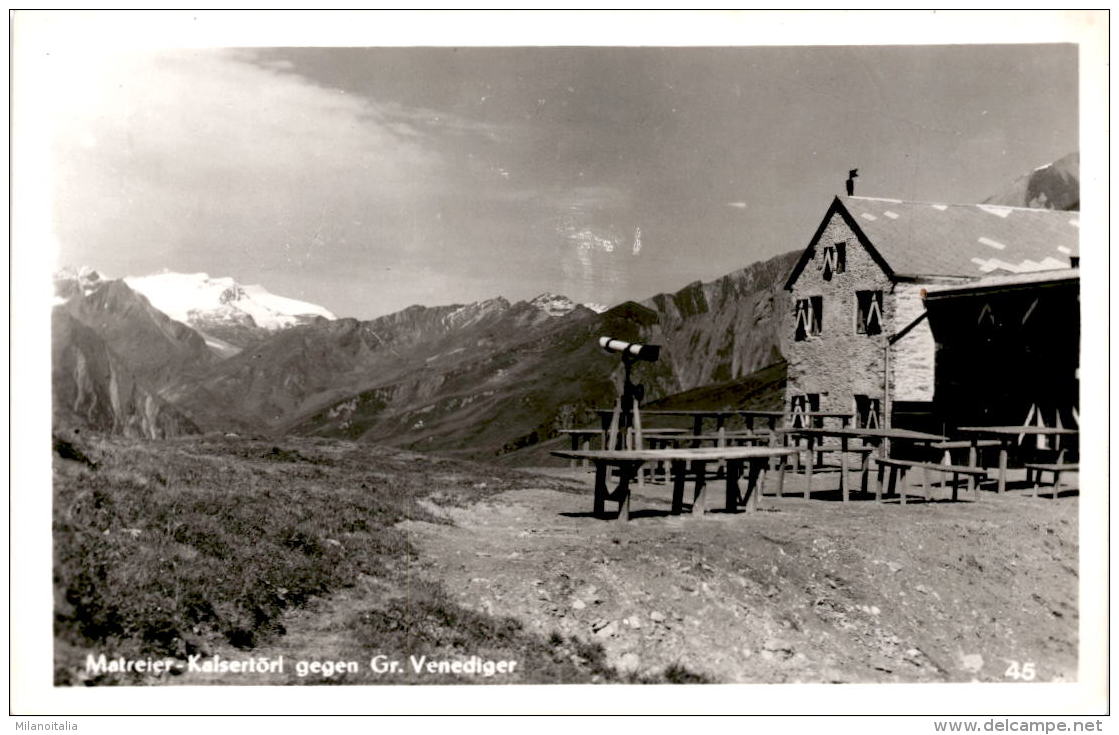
x=1021 y=672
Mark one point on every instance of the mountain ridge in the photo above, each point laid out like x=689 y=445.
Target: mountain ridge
x=482 y=379
x=492 y=374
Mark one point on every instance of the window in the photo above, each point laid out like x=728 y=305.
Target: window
x=869 y=318
x=817 y=325
x=809 y=317
x=868 y=412
x=802 y=404
x=835 y=259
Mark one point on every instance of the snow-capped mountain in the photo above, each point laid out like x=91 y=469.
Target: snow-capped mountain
x=553 y=304
x=559 y=305
x=202 y=301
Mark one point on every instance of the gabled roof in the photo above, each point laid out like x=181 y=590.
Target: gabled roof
x=911 y=239
x=836 y=208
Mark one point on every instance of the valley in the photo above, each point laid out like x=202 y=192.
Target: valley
x=478 y=380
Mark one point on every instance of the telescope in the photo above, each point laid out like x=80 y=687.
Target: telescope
x=630 y=350
x=627 y=415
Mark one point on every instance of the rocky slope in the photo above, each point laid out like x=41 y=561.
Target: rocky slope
x=726 y=329
x=422 y=377
x=500 y=395
x=1052 y=186
x=158 y=350
x=483 y=378
x=94 y=389
x=488 y=377
x=113 y=354
x=297 y=370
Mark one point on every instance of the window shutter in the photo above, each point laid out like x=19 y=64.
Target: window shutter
x=867 y=412
x=874 y=313
x=987 y=317
x=869 y=317
x=802 y=321
x=829 y=262
x=872 y=414
x=798 y=411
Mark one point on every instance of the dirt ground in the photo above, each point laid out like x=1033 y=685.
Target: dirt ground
x=800 y=591
x=803 y=590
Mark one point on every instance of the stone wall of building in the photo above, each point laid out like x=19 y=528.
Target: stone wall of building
x=913 y=360
x=839 y=363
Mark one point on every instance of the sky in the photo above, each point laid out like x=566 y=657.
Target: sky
x=370 y=179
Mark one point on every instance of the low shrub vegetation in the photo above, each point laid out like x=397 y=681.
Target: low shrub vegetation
x=175 y=548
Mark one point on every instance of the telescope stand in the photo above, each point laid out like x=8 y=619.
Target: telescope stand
x=625 y=423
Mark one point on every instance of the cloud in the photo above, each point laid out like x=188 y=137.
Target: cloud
x=582 y=198
x=214 y=111
x=231 y=162
x=205 y=148
x=737 y=205
x=587 y=239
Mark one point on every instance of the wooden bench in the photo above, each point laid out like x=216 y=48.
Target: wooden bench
x=629 y=461
x=964 y=444
x=1056 y=469
x=714 y=439
x=816 y=466
x=972 y=448
x=820 y=448
x=903 y=466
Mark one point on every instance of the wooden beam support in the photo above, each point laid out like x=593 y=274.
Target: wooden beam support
x=601 y=473
x=679 y=479
x=699 y=503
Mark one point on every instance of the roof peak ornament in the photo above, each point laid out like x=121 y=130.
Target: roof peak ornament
x=851 y=176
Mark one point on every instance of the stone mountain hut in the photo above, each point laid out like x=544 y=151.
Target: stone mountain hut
x=859 y=313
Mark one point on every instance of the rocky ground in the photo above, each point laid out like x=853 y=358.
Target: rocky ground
x=803 y=590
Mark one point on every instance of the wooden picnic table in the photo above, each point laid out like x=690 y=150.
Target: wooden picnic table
x=845 y=418
x=723 y=439
x=697 y=417
x=579 y=439
x=786 y=416
x=580 y=436
x=1006 y=435
x=973 y=446
x=872 y=436
x=629 y=461
x=905 y=434
x=721 y=415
